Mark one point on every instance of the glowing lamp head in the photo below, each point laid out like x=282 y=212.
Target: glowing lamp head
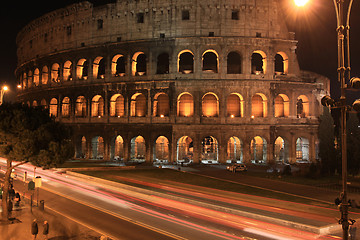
x=19 y=86
x=300 y=3
x=252 y=116
x=162 y=115
x=5 y=88
x=232 y=116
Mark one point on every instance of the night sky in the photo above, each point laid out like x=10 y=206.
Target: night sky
x=314 y=26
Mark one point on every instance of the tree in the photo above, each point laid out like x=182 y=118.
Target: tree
x=327 y=151
x=353 y=143
x=29 y=134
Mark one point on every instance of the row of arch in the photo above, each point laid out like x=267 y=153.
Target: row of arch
x=138 y=106
x=185 y=148
x=139 y=66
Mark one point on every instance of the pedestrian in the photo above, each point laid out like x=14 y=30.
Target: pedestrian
x=34 y=229
x=17 y=199
x=46 y=229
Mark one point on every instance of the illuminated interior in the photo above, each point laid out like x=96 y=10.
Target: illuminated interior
x=282 y=106
x=82 y=69
x=281 y=63
x=119 y=148
x=186 y=62
x=80 y=107
x=67 y=71
x=29 y=79
x=97 y=146
x=185 y=149
x=65 y=107
x=280 y=150
x=302 y=149
x=234 y=151
x=161 y=105
x=117 y=106
x=138 y=105
x=302 y=106
x=210 y=60
x=97 y=106
x=185 y=105
x=55 y=73
x=259 y=105
x=210 y=105
x=258 y=149
x=53 y=107
x=161 y=149
x=99 y=68
x=118 y=65
x=258 y=62
x=138 y=149
x=138 y=66
x=209 y=149
x=36 y=77
x=45 y=75
x=235 y=105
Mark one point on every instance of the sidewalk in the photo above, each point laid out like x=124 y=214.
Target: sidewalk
x=60 y=228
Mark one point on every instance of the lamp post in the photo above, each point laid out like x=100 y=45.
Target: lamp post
x=342 y=6
x=2 y=92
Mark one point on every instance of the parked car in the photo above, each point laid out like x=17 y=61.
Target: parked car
x=237 y=168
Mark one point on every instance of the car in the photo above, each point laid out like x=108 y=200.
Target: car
x=237 y=168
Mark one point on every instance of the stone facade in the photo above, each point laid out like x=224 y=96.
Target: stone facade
x=173 y=81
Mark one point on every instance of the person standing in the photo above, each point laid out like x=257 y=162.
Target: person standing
x=34 y=229
x=46 y=229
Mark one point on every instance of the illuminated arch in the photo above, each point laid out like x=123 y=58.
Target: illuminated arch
x=34 y=103
x=118 y=65
x=210 y=105
x=281 y=63
x=235 y=105
x=55 y=73
x=53 y=107
x=138 y=149
x=117 y=148
x=302 y=106
x=161 y=149
x=97 y=147
x=184 y=150
x=258 y=150
x=44 y=75
x=30 y=79
x=302 y=150
x=36 y=77
x=185 y=105
x=138 y=107
x=24 y=80
x=281 y=150
x=99 y=67
x=282 y=106
x=117 y=106
x=138 y=65
x=161 y=105
x=80 y=106
x=82 y=69
x=97 y=106
x=234 y=151
x=210 y=60
x=210 y=152
x=185 y=62
x=65 y=107
x=259 y=105
x=258 y=62
x=43 y=103
x=67 y=71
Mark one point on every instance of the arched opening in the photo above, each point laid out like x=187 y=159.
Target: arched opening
x=83 y=148
x=234 y=153
x=138 y=106
x=99 y=68
x=281 y=63
x=34 y=104
x=82 y=69
x=97 y=106
x=185 y=149
x=209 y=152
x=210 y=105
x=302 y=107
x=30 y=79
x=43 y=103
x=258 y=62
x=186 y=62
x=65 y=107
x=235 y=105
x=67 y=71
x=258 y=105
x=117 y=148
x=282 y=106
x=210 y=61
x=44 y=75
x=139 y=64
x=233 y=63
x=281 y=151
x=162 y=64
x=118 y=66
x=97 y=147
x=161 y=105
x=55 y=73
x=80 y=107
x=36 y=77
x=117 y=106
x=161 y=150
x=53 y=107
x=185 y=105
x=24 y=80
x=138 y=149
x=302 y=150
x=258 y=150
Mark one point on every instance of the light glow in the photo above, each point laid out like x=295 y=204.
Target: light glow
x=300 y=3
x=5 y=88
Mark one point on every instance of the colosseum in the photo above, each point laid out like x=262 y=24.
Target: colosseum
x=173 y=81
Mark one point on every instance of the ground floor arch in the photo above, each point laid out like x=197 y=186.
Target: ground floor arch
x=97 y=148
x=234 y=151
x=138 y=149
x=185 y=150
x=258 y=149
x=161 y=150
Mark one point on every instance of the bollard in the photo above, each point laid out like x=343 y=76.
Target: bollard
x=42 y=205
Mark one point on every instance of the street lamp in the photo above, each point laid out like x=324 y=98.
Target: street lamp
x=2 y=92
x=343 y=77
